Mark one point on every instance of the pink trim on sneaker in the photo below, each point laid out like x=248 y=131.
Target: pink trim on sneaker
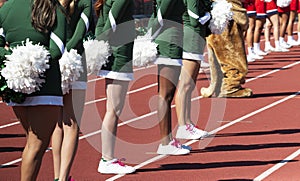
x=119 y=161
x=176 y=143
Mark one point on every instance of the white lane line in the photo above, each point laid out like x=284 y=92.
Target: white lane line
x=152 y=85
x=154 y=112
x=129 y=92
x=277 y=166
x=213 y=132
x=11 y=163
x=188 y=143
x=10 y=124
x=273 y=71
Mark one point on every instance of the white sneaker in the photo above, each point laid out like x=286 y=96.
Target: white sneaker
x=281 y=49
x=204 y=64
x=293 y=43
x=260 y=53
x=269 y=49
x=189 y=131
x=250 y=58
x=255 y=56
x=173 y=148
x=114 y=166
x=285 y=45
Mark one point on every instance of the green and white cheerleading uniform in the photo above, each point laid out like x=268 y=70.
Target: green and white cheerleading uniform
x=166 y=26
x=15 y=26
x=194 y=32
x=115 y=24
x=77 y=28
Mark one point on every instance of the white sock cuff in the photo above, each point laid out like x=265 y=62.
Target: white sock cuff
x=281 y=39
x=290 y=38
x=256 y=46
x=250 y=50
x=277 y=44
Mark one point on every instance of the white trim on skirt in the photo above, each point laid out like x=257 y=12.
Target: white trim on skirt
x=79 y=85
x=40 y=100
x=116 y=75
x=192 y=56
x=168 y=61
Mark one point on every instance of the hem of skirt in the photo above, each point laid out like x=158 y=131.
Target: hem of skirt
x=192 y=56
x=40 y=100
x=168 y=61
x=79 y=85
x=125 y=76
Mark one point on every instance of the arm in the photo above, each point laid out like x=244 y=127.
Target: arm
x=193 y=12
x=117 y=11
x=163 y=11
x=115 y=14
x=58 y=36
x=3 y=49
x=82 y=25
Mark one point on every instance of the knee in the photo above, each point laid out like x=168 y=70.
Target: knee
x=186 y=87
x=166 y=98
x=37 y=147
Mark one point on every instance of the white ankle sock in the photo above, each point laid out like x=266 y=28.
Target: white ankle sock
x=290 y=38
x=277 y=44
x=256 y=47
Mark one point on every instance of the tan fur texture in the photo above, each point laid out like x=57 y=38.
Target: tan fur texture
x=228 y=63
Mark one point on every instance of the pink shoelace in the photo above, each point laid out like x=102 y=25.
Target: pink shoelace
x=190 y=128
x=119 y=161
x=176 y=143
x=71 y=179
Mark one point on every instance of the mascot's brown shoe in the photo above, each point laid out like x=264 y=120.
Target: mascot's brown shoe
x=243 y=92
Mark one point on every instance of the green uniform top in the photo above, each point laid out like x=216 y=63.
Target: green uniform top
x=166 y=26
x=194 y=31
x=192 y=14
x=169 y=10
x=115 y=22
x=79 y=24
x=116 y=25
x=16 y=27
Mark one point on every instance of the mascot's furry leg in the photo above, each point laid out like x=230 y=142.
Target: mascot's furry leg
x=216 y=75
x=228 y=64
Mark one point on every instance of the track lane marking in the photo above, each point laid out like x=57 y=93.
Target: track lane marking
x=154 y=84
x=156 y=158
x=193 y=99
x=277 y=166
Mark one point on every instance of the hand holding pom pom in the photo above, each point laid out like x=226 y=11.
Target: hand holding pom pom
x=25 y=67
x=96 y=53
x=144 y=50
x=221 y=14
x=70 y=67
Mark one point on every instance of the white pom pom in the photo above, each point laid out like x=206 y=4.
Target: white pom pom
x=25 y=67
x=96 y=53
x=70 y=68
x=144 y=51
x=283 y=3
x=221 y=14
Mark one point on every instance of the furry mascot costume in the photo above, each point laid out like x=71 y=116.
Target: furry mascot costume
x=227 y=57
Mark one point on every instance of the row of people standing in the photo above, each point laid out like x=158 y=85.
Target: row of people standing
x=61 y=26
x=167 y=31
x=265 y=15
x=41 y=21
